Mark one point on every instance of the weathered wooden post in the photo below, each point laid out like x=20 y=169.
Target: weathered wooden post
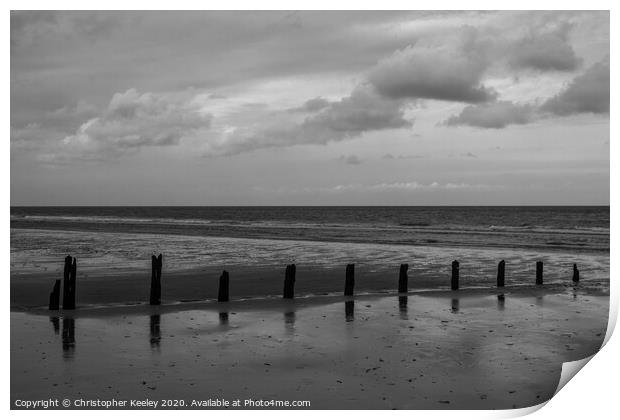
x=69 y=279
x=403 y=279
x=501 y=269
x=55 y=297
x=289 y=282
x=349 y=280
x=575 y=273
x=455 y=275
x=539 y=272
x=222 y=295
x=156 y=265
x=65 y=281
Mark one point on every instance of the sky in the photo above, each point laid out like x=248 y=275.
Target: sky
x=310 y=108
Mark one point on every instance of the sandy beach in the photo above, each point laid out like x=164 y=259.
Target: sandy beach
x=477 y=348
x=441 y=349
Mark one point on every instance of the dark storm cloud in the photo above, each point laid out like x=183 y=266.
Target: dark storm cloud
x=492 y=115
x=587 y=93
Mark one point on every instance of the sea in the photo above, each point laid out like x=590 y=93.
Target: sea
x=374 y=238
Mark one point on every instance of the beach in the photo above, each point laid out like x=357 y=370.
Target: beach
x=445 y=350
x=479 y=347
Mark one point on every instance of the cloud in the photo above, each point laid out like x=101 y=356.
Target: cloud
x=133 y=120
x=496 y=115
x=360 y=112
x=350 y=159
x=432 y=72
x=390 y=156
x=545 y=51
x=312 y=105
x=587 y=93
x=398 y=186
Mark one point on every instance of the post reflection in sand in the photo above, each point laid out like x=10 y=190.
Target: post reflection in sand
x=56 y=324
x=155 y=331
x=349 y=308
x=223 y=318
x=501 y=300
x=539 y=300
x=289 y=322
x=68 y=337
x=455 y=306
x=403 y=307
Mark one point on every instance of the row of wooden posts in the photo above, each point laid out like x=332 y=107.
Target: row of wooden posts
x=223 y=295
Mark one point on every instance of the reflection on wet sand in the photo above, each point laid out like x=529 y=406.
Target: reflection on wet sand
x=349 y=307
x=68 y=337
x=501 y=300
x=56 y=324
x=402 y=307
x=155 y=321
x=289 y=321
x=223 y=318
x=455 y=305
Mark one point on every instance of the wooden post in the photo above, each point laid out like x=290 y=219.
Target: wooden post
x=455 y=275
x=349 y=282
x=403 y=279
x=55 y=297
x=289 y=282
x=222 y=295
x=501 y=269
x=65 y=281
x=156 y=264
x=539 y=272
x=69 y=278
x=575 y=273
x=72 y=277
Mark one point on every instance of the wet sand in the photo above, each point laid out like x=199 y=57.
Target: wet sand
x=445 y=350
